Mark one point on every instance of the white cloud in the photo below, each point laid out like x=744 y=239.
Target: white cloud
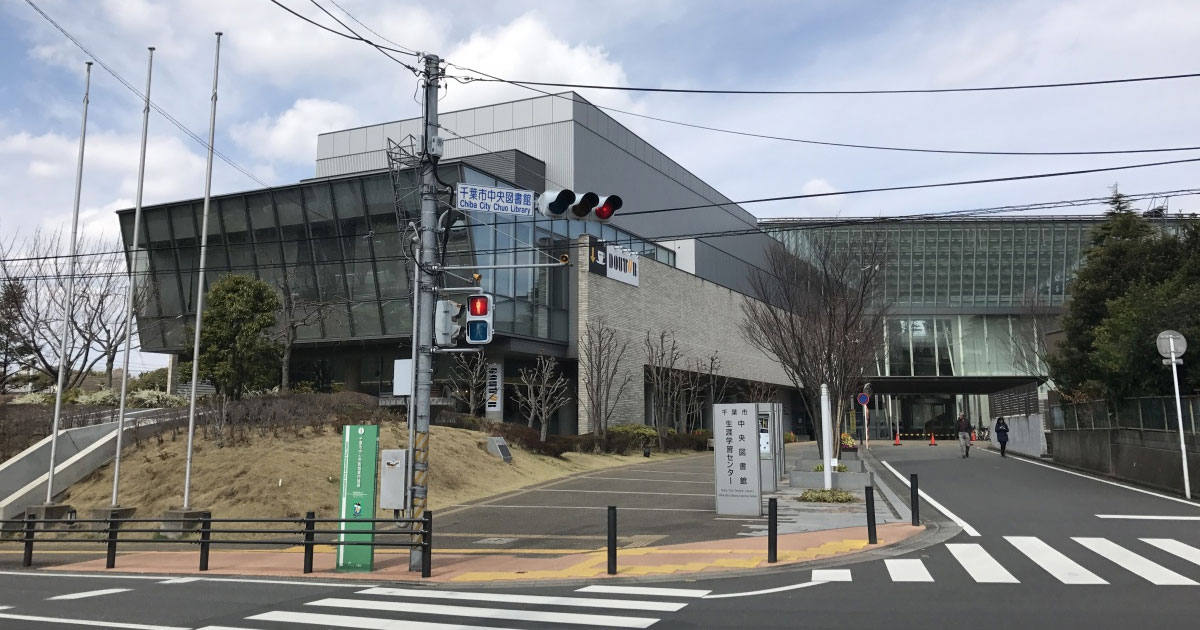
x=292 y=135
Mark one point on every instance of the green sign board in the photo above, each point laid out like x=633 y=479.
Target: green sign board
x=360 y=453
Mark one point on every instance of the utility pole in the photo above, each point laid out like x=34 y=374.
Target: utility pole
x=423 y=309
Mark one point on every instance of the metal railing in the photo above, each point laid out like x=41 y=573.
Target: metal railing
x=1156 y=413
x=116 y=531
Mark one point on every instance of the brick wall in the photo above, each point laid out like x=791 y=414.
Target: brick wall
x=704 y=317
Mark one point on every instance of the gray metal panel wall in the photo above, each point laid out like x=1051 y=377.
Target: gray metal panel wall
x=604 y=167
x=519 y=168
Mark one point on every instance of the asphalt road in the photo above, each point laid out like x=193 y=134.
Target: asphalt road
x=1042 y=559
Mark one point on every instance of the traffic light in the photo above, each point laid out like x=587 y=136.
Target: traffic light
x=589 y=206
x=445 y=330
x=479 y=319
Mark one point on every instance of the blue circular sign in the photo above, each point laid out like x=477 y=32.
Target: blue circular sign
x=863 y=399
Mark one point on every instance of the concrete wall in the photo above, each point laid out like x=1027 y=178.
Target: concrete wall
x=1026 y=435
x=704 y=316
x=1149 y=458
x=34 y=461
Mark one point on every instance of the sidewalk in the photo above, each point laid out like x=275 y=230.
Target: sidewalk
x=703 y=557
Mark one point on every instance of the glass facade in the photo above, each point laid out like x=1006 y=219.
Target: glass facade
x=341 y=244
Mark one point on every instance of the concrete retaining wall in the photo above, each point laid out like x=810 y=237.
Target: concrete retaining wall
x=1150 y=458
x=841 y=480
x=1026 y=435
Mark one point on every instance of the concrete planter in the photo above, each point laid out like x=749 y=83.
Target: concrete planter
x=848 y=455
x=841 y=481
x=854 y=465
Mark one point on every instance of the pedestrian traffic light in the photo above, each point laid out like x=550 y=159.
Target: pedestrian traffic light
x=479 y=319
x=589 y=206
x=445 y=330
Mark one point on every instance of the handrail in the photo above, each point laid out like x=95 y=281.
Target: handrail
x=112 y=530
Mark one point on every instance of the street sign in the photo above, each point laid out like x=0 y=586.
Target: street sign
x=494 y=200
x=360 y=448
x=1164 y=343
x=738 y=482
x=863 y=399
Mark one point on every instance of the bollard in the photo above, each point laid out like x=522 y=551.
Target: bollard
x=612 y=540
x=872 y=539
x=205 y=534
x=110 y=559
x=915 y=499
x=772 y=530
x=30 y=525
x=309 y=527
x=427 y=543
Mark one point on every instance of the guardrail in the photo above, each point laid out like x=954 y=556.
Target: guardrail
x=112 y=529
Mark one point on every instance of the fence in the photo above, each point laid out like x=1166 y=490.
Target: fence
x=1145 y=414
x=113 y=532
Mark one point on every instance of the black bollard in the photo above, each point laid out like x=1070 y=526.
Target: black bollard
x=772 y=530
x=110 y=557
x=915 y=499
x=872 y=539
x=612 y=540
x=309 y=530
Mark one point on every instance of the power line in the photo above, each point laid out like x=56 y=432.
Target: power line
x=381 y=49
x=341 y=34
x=994 y=88
x=411 y=51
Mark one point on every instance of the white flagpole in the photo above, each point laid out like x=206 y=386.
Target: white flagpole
x=133 y=259
x=68 y=310
x=212 y=124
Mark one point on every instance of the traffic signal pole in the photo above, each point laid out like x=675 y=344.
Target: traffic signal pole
x=423 y=309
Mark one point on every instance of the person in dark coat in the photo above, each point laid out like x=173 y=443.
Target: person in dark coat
x=1001 y=431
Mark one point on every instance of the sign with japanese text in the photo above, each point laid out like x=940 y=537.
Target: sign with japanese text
x=736 y=453
x=494 y=390
x=360 y=452
x=495 y=200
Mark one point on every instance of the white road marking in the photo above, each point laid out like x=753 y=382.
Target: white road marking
x=581 y=507
x=642 y=590
x=86 y=575
x=223 y=628
x=539 y=600
x=487 y=613
x=88 y=622
x=765 y=591
x=289 y=582
x=908 y=571
x=971 y=531
x=663 y=494
x=105 y=591
x=831 y=575
x=367 y=623
x=1111 y=483
x=1149 y=570
x=670 y=472
x=182 y=580
x=1148 y=517
x=981 y=565
x=1187 y=552
x=637 y=479
x=1055 y=563
x=5 y=607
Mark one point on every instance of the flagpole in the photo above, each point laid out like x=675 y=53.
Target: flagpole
x=129 y=291
x=63 y=361
x=212 y=124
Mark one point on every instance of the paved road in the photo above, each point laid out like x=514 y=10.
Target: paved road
x=1041 y=559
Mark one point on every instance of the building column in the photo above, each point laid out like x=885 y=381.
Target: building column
x=352 y=374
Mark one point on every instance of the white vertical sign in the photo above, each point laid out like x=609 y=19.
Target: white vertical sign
x=402 y=377
x=735 y=442
x=494 y=402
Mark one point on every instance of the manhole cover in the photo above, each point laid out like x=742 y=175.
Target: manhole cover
x=494 y=541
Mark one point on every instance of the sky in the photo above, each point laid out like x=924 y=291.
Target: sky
x=283 y=81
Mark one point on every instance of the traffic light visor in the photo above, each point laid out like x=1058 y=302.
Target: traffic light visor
x=608 y=207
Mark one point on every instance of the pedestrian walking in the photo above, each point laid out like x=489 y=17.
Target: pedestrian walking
x=1001 y=430
x=964 y=435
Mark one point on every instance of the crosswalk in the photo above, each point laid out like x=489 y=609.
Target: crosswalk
x=380 y=608
x=1015 y=559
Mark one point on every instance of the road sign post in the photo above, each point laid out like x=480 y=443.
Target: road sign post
x=864 y=399
x=1172 y=345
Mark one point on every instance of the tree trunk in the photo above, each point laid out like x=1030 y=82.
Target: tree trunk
x=108 y=368
x=545 y=428
x=286 y=362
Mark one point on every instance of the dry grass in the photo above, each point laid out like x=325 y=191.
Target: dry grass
x=288 y=476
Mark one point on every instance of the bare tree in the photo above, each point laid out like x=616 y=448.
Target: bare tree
x=600 y=356
x=542 y=392
x=300 y=305
x=819 y=312
x=665 y=379
x=718 y=385
x=468 y=380
x=761 y=392
x=1027 y=335
x=97 y=313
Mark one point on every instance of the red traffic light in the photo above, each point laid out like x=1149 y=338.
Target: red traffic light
x=478 y=305
x=608 y=207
